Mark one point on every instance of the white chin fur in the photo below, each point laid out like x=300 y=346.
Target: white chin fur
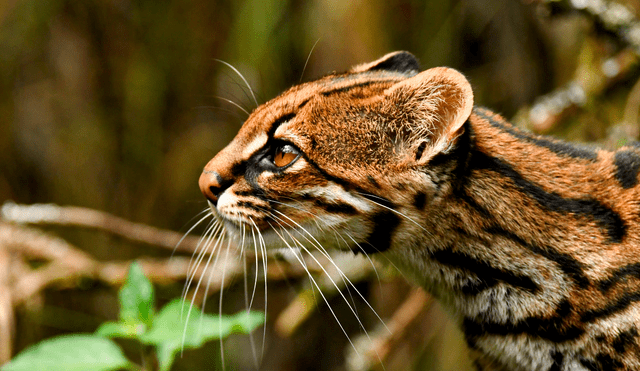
x=352 y=229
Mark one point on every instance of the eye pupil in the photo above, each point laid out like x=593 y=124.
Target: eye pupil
x=283 y=156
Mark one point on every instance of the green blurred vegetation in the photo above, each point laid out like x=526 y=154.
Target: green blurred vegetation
x=116 y=105
x=173 y=329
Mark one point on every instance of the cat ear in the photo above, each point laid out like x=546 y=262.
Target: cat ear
x=431 y=108
x=400 y=61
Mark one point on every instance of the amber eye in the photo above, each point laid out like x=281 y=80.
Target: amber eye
x=284 y=155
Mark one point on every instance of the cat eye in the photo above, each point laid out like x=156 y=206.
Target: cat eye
x=284 y=155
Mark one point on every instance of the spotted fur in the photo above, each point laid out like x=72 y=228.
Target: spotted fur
x=533 y=244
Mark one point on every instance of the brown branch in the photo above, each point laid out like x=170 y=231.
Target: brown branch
x=413 y=305
x=334 y=277
x=66 y=264
x=375 y=351
x=38 y=245
x=620 y=21
x=548 y=110
x=612 y=16
x=50 y=214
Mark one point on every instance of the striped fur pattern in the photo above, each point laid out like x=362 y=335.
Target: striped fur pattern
x=533 y=244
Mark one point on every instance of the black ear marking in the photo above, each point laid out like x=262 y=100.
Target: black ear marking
x=397 y=62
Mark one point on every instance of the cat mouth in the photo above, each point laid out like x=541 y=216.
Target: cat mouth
x=244 y=228
x=290 y=234
x=238 y=219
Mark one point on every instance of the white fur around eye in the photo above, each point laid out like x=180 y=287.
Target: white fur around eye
x=287 y=133
x=297 y=166
x=256 y=144
x=282 y=130
x=335 y=193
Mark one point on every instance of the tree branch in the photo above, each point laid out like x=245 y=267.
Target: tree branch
x=50 y=214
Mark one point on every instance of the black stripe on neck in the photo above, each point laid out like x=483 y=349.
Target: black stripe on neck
x=384 y=225
x=556 y=146
x=614 y=227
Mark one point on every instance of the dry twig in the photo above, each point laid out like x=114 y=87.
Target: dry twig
x=50 y=214
x=380 y=346
x=616 y=19
x=335 y=277
x=66 y=264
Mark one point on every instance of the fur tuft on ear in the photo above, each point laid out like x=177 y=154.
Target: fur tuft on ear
x=429 y=110
x=400 y=61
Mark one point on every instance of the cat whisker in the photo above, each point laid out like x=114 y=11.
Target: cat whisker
x=343 y=277
x=224 y=271
x=202 y=237
x=231 y=112
x=326 y=254
x=316 y=220
x=233 y=103
x=363 y=251
x=321 y=292
x=191 y=272
x=213 y=268
x=246 y=295
x=219 y=238
x=381 y=255
x=242 y=77
x=339 y=237
x=307 y=61
x=207 y=212
x=255 y=248
x=199 y=254
x=340 y=272
x=263 y=250
x=314 y=215
x=293 y=250
x=191 y=268
x=366 y=197
x=344 y=331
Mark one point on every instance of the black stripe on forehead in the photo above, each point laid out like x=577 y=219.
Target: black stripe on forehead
x=279 y=121
x=361 y=84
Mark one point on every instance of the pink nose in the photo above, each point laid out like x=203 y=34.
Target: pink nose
x=211 y=185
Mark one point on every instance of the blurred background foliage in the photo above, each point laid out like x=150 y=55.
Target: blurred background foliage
x=118 y=104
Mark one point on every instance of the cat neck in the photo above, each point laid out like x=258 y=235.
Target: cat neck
x=526 y=217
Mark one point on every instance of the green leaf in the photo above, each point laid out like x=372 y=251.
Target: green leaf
x=171 y=331
x=171 y=325
x=166 y=353
x=245 y=322
x=121 y=329
x=136 y=297
x=70 y=353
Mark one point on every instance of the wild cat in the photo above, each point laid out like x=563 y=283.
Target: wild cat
x=531 y=243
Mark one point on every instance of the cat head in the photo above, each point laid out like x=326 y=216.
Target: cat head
x=349 y=152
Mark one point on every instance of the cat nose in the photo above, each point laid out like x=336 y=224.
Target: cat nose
x=212 y=185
